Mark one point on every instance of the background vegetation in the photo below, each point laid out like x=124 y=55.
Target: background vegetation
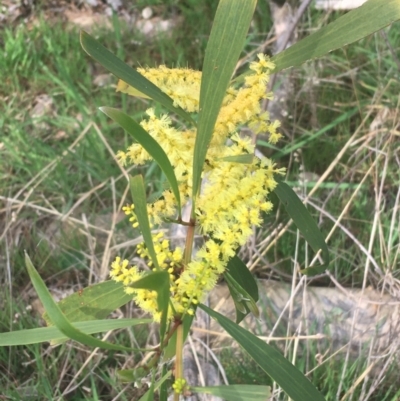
x=59 y=185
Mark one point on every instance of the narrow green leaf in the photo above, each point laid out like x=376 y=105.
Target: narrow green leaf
x=157 y=281
x=240 y=272
x=245 y=158
x=155 y=386
x=237 y=392
x=59 y=319
x=228 y=34
x=244 y=303
x=242 y=276
x=241 y=311
x=288 y=377
x=372 y=16
x=149 y=144
x=305 y=223
x=139 y=200
x=121 y=70
x=162 y=384
x=123 y=87
x=355 y=25
x=42 y=334
x=94 y=302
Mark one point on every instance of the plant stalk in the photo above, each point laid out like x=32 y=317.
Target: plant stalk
x=179 y=357
x=189 y=242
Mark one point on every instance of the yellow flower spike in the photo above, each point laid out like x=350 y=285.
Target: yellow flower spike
x=182 y=85
x=232 y=198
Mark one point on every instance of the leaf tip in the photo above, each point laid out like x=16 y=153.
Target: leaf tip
x=107 y=111
x=82 y=35
x=28 y=262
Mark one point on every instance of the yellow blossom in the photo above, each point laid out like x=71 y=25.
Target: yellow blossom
x=233 y=195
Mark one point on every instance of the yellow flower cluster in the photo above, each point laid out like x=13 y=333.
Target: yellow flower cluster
x=178 y=145
x=164 y=207
x=228 y=207
x=168 y=260
x=180 y=84
x=233 y=195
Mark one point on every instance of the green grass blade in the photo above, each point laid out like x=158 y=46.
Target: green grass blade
x=139 y=200
x=305 y=223
x=93 y=303
x=163 y=384
x=313 y=136
x=149 y=144
x=59 y=319
x=355 y=25
x=231 y=24
x=42 y=334
x=165 y=374
x=157 y=281
x=237 y=392
x=121 y=70
x=149 y=394
x=288 y=377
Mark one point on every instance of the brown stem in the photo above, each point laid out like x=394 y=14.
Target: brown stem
x=158 y=350
x=189 y=242
x=179 y=221
x=175 y=326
